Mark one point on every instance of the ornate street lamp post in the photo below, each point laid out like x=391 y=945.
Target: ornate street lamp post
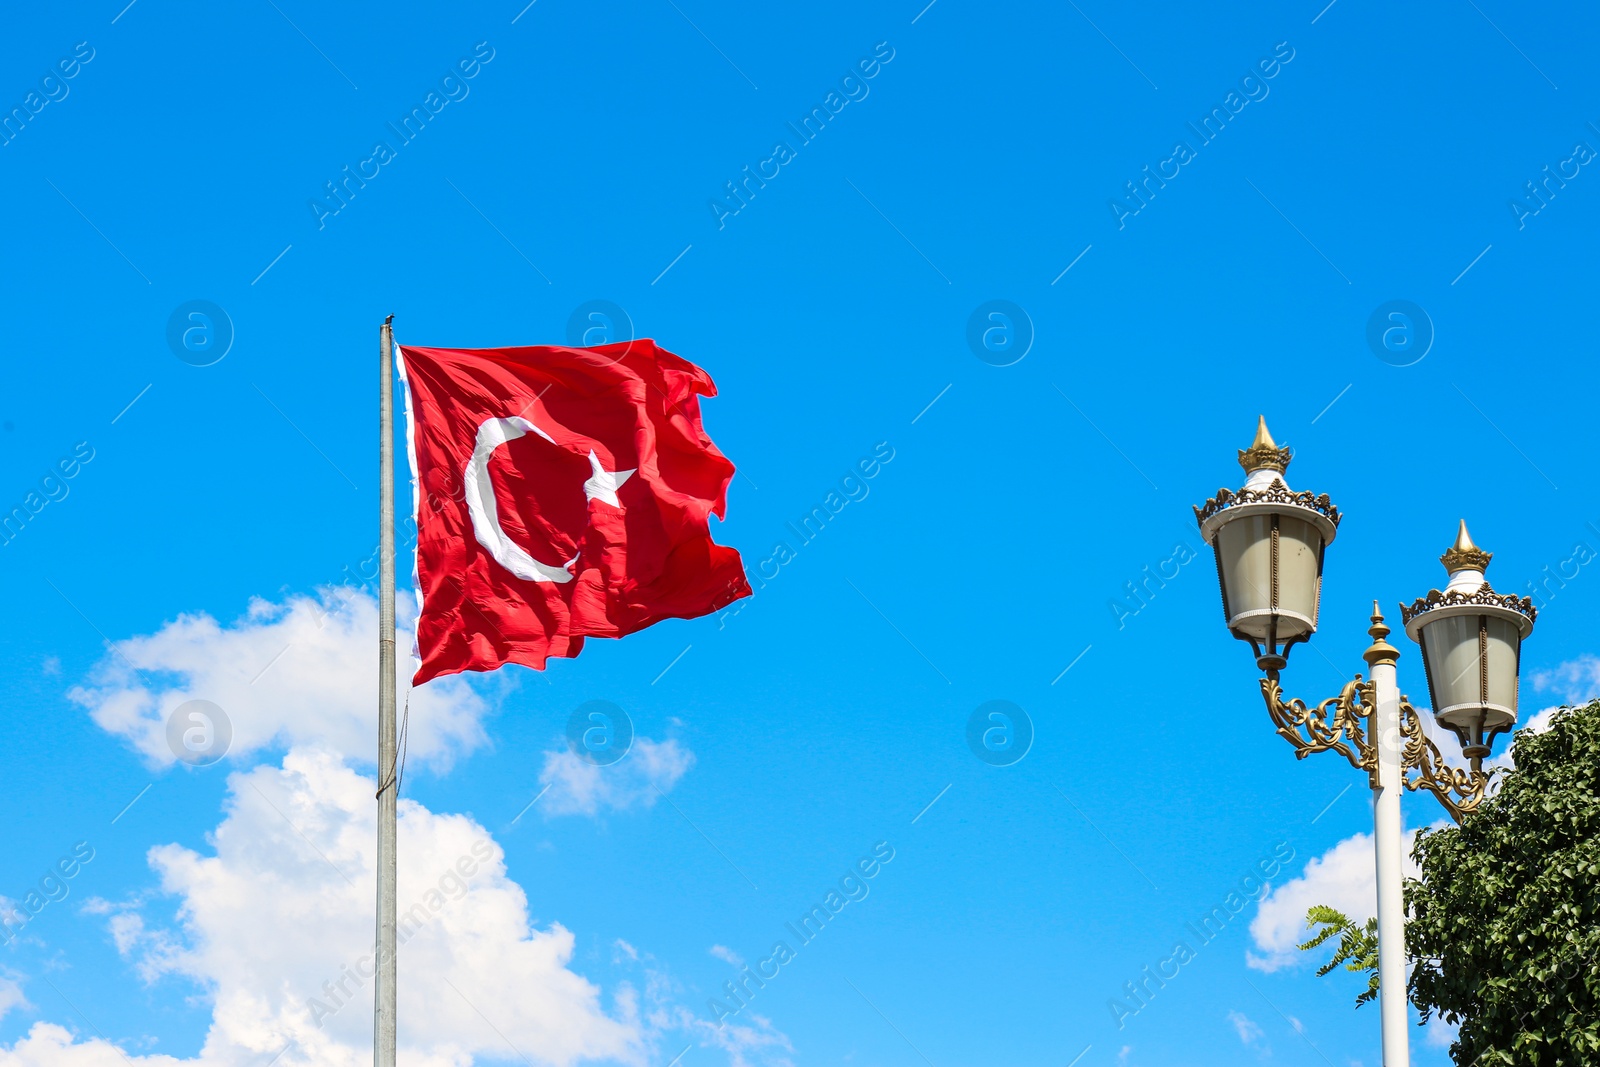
x=1270 y=542
x=1471 y=640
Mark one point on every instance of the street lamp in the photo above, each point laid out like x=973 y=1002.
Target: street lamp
x=1471 y=640
x=1270 y=542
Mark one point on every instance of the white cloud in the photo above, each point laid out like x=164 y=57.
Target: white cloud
x=50 y=1045
x=295 y=674
x=1249 y=1033
x=1440 y=1034
x=1541 y=720
x=274 y=925
x=746 y=1042
x=1577 y=681
x=1343 y=877
x=727 y=955
x=577 y=786
x=11 y=993
x=275 y=929
x=749 y=1041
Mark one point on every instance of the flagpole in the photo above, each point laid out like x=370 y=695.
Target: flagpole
x=383 y=1022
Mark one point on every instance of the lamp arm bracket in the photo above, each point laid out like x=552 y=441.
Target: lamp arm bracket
x=1336 y=724
x=1460 y=791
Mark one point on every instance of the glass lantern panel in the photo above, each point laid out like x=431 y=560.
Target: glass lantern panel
x=1502 y=655
x=1451 y=645
x=1299 y=546
x=1244 y=553
x=1244 y=549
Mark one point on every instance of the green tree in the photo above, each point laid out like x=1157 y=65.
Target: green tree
x=1504 y=927
x=1358 y=946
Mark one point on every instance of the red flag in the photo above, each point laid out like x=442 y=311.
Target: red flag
x=561 y=493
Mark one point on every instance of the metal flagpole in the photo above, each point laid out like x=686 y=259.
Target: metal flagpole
x=1388 y=845
x=383 y=1021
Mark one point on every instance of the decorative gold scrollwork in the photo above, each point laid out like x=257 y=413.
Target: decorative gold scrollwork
x=1343 y=724
x=1483 y=596
x=1433 y=774
x=1334 y=724
x=1276 y=493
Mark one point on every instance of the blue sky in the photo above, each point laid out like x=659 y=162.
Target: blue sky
x=583 y=160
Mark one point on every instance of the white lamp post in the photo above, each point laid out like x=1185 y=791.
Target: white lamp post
x=1270 y=542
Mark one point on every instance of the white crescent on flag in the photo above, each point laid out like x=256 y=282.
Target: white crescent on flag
x=485 y=510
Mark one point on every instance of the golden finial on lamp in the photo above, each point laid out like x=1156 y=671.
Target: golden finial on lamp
x=1264 y=453
x=1464 y=555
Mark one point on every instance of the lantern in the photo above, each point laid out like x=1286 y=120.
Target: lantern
x=1269 y=542
x=1471 y=640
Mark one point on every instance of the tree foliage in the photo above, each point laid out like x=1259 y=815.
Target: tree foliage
x=1358 y=946
x=1504 y=927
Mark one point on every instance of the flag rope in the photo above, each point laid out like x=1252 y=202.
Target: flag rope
x=397 y=776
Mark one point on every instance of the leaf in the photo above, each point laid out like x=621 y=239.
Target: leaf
x=1504 y=925
x=1357 y=950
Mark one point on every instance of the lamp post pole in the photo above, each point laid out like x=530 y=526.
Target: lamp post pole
x=1388 y=845
x=1270 y=543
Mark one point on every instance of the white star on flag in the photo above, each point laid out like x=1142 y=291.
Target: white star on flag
x=603 y=484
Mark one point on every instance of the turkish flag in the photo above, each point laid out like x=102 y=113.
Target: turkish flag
x=561 y=493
